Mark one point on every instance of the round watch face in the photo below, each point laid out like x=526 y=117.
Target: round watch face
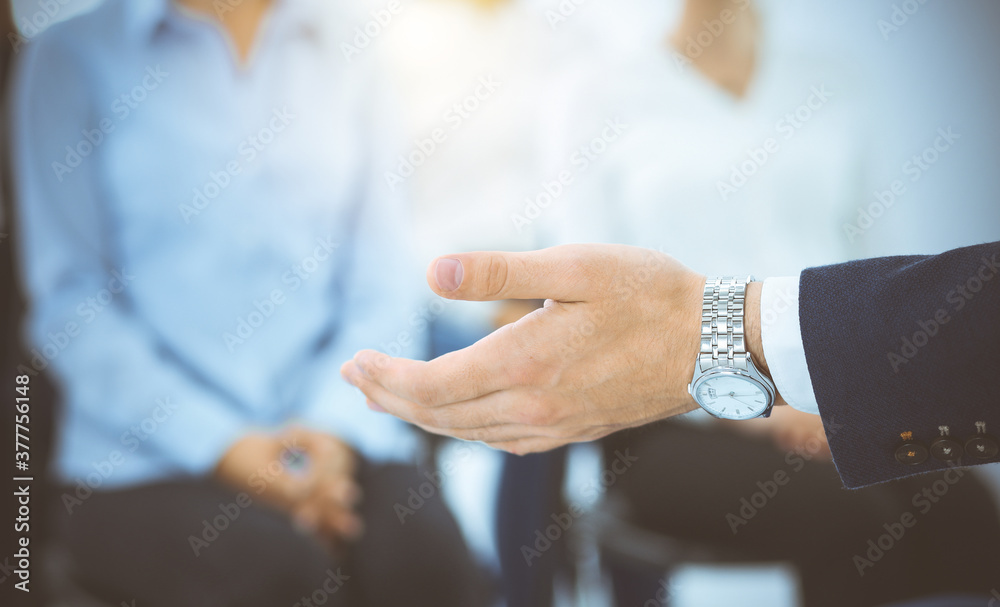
x=731 y=396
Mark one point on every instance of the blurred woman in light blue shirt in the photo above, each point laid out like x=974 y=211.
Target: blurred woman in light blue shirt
x=205 y=238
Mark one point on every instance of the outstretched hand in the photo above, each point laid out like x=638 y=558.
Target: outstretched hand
x=613 y=347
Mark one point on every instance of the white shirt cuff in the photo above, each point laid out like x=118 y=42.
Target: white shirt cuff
x=782 y=341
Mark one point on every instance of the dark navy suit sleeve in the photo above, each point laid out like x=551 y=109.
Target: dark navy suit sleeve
x=904 y=358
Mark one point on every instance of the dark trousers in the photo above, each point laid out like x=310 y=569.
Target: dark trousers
x=530 y=494
x=694 y=484
x=136 y=544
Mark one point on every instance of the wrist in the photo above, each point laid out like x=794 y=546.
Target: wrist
x=754 y=335
x=752 y=327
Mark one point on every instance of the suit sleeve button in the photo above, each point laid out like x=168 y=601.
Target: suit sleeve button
x=911 y=454
x=946 y=449
x=982 y=446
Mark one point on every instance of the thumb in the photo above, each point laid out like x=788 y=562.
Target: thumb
x=563 y=273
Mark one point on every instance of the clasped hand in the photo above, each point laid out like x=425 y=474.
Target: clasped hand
x=308 y=474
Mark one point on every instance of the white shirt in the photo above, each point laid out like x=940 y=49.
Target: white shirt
x=659 y=185
x=782 y=340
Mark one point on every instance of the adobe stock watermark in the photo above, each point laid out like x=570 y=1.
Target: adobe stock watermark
x=230 y=512
x=899 y=17
x=995 y=601
x=224 y=7
x=247 y=152
x=713 y=29
x=784 y=302
x=366 y=33
x=581 y=159
x=562 y=522
x=31 y=25
x=332 y=583
x=417 y=497
x=88 y=310
x=914 y=168
x=665 y=593
x=122 y=108
x=924 y=501
x=7 y=571
x=419 y=323
x=264 y=308
x=624 y=288
x=454 y=117
x=750 y=506
x=563 y=12
x=958 y=297
x=131 y=439
x=785 y=128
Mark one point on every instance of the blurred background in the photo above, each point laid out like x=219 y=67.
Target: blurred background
x=820 y=131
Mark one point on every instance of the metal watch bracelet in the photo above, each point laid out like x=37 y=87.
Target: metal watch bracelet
x=723 y=342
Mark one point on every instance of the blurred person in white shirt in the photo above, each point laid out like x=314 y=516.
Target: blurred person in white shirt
x=680 y=118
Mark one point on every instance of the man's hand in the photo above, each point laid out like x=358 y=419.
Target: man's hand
x=310 y=475
x=613 y=347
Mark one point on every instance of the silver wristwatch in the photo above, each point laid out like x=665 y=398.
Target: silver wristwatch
x=726 y=383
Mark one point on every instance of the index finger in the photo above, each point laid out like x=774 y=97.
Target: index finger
x=454 y=377
x=509 y=357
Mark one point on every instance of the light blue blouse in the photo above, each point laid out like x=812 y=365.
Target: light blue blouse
x=205 y=243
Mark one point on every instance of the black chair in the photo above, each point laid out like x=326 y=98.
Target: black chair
x=52 y=579
x=631 y=554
